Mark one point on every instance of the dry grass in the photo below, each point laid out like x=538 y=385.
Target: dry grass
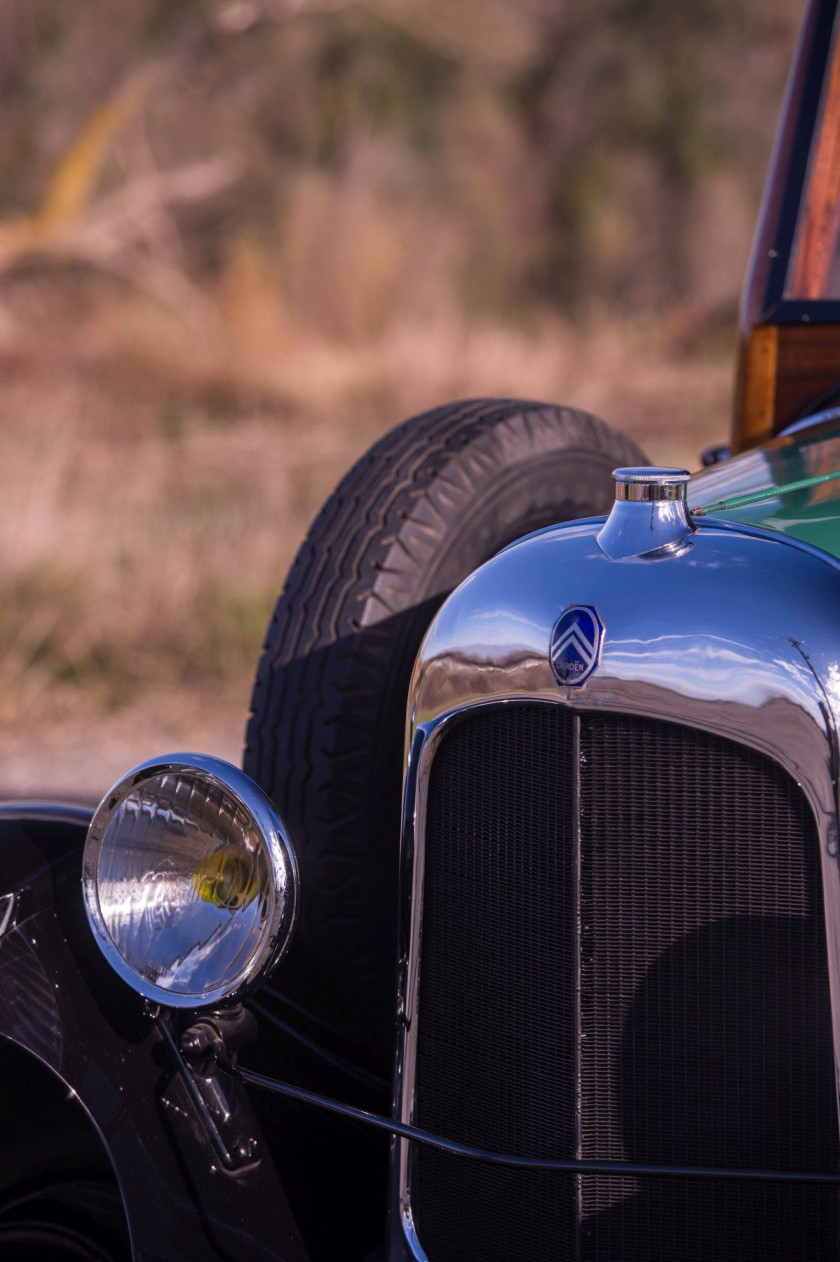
x=157 y=483
x=238 y=241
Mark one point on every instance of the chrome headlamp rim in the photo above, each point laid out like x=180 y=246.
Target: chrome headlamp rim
x=282 y=862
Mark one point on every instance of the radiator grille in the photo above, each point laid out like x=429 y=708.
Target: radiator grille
x=667 y=968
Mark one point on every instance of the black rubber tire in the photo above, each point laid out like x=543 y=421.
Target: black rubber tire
x=424 y=507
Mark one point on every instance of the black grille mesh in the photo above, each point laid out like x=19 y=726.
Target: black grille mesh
x=705 y=996
x=493 y=1066
x=703 y=1028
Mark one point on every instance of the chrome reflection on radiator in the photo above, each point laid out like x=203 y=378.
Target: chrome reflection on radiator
x=621 y=903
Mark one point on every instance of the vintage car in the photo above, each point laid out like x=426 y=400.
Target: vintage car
x=585 y=1001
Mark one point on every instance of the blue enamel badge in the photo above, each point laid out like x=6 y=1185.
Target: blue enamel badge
x=576 y=645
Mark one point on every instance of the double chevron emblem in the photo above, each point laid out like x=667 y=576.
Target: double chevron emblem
x=576 y=645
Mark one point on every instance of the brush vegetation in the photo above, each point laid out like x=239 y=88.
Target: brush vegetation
x=240 y=240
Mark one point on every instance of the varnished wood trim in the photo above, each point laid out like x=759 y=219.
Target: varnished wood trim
x=818 y=230
x=755 y=400
x=783 y=370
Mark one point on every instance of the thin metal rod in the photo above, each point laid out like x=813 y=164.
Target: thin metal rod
x=766 y=493
x=195 y=1095
x=523 y=1163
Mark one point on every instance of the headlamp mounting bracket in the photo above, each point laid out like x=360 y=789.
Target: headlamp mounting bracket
x=201 y=1095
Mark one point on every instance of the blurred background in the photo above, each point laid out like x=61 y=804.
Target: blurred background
x=239 y=240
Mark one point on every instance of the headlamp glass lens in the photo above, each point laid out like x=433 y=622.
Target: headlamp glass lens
x=184 y=884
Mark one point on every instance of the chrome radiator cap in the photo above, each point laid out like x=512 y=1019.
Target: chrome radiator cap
x=650 y=516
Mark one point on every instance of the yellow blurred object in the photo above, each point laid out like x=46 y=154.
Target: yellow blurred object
x=72 y=183
x=227 y=878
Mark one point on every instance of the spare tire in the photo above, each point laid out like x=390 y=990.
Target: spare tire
x=424 y=507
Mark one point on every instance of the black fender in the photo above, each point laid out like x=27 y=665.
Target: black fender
x=80 y=1025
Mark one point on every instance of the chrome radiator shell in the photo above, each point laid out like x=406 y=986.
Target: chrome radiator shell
x=737 y=636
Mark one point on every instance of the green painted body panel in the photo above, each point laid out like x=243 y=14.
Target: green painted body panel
x=811 y=514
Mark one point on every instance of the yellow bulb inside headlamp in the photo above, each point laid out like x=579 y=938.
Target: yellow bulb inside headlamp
x=227 y=879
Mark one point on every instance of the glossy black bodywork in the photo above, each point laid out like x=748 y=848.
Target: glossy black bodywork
x=61 y=1004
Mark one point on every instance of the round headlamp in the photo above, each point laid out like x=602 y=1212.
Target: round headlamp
x=189 y=880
